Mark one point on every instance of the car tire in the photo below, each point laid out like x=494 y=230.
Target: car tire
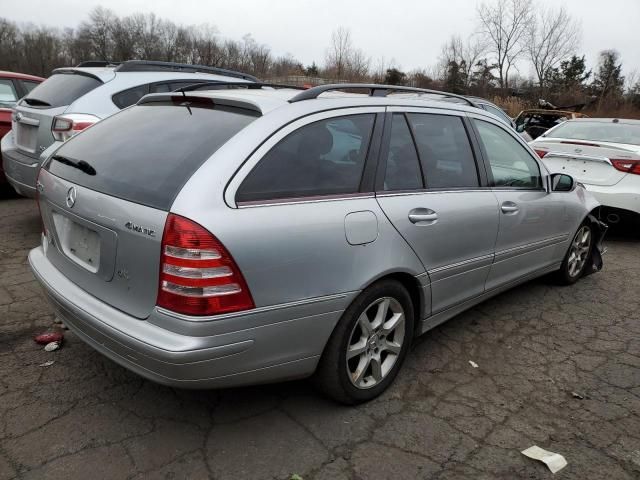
x=577 y=257
x=376 y=332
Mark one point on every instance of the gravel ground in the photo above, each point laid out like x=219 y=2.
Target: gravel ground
x=85 y=417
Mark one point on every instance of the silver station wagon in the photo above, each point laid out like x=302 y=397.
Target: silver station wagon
x=216 y=237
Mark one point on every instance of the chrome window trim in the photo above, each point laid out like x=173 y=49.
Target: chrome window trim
x=461 y=263
x=302 y=200
x=275 y=138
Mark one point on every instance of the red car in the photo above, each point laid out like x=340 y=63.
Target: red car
x=13 y=86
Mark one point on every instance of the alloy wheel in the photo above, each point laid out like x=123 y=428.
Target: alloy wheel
x=579 y=251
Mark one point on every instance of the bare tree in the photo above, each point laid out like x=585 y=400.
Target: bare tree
x=342 y=59
x=464 y=54
x=552 y=37
x=504 y=25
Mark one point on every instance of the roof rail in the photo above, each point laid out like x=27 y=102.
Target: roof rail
x=229 y=85
x=153 y=66
x=375 y=90
x=97 y=63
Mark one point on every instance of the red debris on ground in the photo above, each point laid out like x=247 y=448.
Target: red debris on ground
x=48 y=337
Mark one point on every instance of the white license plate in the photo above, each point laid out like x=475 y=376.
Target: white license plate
x=79 y=243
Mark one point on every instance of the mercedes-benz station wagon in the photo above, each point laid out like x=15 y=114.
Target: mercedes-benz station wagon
x=213 y=238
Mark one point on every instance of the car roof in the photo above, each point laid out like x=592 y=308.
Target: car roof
x=20 y=76
x=625 y=121
x=267 y=99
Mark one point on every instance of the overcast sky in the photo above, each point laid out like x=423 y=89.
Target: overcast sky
x=411 y=32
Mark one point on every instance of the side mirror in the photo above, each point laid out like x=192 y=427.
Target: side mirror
x=562 y=183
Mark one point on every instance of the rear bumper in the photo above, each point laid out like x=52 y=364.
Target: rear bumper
x=624 y=195
x=20 y=170
x=263 y=345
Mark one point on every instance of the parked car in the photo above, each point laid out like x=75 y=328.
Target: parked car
x=12 y=86
x=604 y=155
x=268 y=234
x=72 y=99
x=537 y=121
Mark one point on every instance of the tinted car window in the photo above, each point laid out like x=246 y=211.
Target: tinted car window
x=29 y=85
x=497 y=112
x=599 y=131
x=445 y=152
x=322 y=158
x=61 y=89
x=511 y=164
x=8 y=94
x=129 y=97
x=402 y=170
x=146 y=153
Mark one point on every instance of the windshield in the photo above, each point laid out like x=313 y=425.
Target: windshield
x=600 y=132
x=146 y=153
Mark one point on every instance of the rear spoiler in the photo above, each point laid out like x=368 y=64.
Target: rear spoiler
x=74 y=71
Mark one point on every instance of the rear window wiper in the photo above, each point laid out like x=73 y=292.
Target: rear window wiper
x=34 y=102
x=80 y=164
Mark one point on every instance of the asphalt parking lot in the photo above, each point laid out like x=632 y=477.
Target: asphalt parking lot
x=86 y=417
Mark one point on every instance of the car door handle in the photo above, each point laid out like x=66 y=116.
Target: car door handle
x=509 y=207
x=423 y=216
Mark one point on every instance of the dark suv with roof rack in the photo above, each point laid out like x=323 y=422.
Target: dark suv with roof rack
x=72 y=99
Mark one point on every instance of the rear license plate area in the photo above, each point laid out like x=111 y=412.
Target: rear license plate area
x=78 y=242
x=26 y=136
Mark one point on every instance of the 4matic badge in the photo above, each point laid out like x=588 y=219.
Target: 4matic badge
x=140 y=229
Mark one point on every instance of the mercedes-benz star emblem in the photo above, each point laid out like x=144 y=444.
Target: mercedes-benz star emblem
x=72 y=194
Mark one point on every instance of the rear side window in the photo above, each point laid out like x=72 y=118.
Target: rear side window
x=29 y=85
x=445 y=152
x=323 y=158
x=145 y=154
x=129 y=97
x=61 y=89
x=403 y=170
x=8 y=95
x=498 y=113
x=511 y=164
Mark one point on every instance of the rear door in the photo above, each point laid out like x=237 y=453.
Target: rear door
x=447 y=214
x=105 y=195
x=532 y=220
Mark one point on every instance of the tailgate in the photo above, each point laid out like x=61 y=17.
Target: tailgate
x=107 y=246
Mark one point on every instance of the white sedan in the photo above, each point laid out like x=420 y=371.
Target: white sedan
x=604 y=155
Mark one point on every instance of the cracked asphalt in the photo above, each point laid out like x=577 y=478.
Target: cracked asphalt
x=86 y=417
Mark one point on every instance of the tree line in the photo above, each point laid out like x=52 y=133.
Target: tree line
x=510 y=34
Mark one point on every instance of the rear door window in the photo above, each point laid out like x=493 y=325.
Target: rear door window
x=445 y=151
x=145 y=154
x=402 y=168
x=8 y=95
x=130 y=96
x=323 y=158
x=28 y=85
x=511 y=165
x=61 y=89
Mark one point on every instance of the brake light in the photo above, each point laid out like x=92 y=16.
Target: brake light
x=541 y=153
x=586 y=144
x=627 y=166
x=198 y=276
x=66 y=126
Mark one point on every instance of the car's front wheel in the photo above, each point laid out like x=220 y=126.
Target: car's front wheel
x=577 y=258
x=368 y=345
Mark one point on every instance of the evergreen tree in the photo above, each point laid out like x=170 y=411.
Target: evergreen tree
x=609 y=81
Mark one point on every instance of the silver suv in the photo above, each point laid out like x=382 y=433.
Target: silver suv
x=209 y=238
x=72 y=99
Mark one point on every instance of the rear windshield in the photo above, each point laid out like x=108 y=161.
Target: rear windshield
x=60 y=90
x=146 y=153
x=599 y=131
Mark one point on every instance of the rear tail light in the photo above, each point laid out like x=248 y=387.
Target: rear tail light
x=541 y=153
x=627 y=166
x=198 y=276
x=66 y=126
